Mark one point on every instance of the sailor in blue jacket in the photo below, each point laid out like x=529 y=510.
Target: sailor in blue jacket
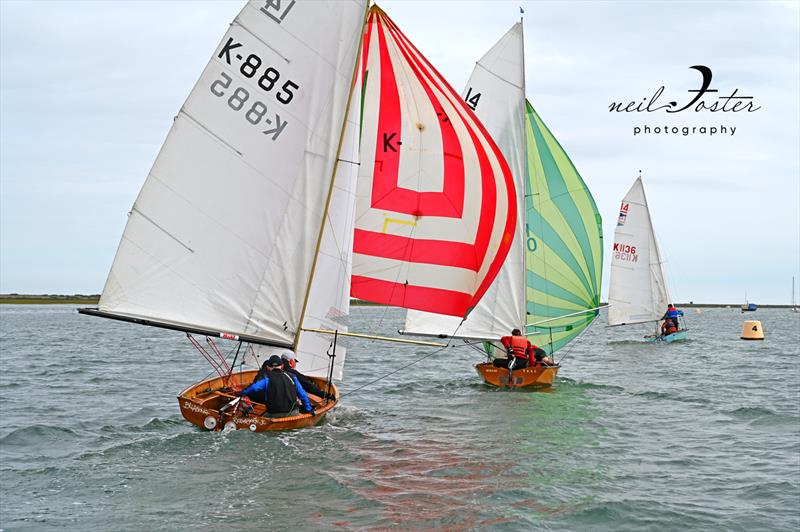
x=279 y=391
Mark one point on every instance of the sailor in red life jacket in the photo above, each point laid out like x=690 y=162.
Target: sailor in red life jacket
x=521 y=352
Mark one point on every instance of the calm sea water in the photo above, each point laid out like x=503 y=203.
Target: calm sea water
x=703 y=435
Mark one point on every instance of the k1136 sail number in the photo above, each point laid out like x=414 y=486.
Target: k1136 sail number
x=239 y=97
x=249 y=67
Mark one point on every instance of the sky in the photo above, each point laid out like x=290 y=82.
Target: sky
x=88 y=92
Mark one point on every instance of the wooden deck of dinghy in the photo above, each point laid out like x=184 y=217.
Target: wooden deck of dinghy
x=202 y=401
x=520 y=378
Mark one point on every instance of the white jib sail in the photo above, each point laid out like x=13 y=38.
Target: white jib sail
x=496 y=92
x=329 y=299
x=223 y=233
x=638 y=291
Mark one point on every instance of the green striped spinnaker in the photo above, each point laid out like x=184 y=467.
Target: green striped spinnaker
x=564 y=241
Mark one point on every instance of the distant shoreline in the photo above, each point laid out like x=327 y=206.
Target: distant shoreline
x=81 y=299
x=48 y=299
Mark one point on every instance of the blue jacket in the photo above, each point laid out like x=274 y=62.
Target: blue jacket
x=261 y=386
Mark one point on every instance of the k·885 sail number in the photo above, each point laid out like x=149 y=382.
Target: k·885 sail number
x=250 y=66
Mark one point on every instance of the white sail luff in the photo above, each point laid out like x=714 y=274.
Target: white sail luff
x=499 y=79
x=222 y=235
x=637 y=292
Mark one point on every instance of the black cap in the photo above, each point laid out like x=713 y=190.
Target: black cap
x=274 y=360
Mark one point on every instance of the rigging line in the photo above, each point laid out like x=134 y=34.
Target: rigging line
x=407 y=365
x=574 y=341
x=394 y=371
x=396 y=279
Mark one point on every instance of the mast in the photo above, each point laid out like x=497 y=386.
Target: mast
x=524 y=214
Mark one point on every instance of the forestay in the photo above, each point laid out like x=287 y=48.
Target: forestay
x=638 y=290
x=436 y=205
x=225 y=228
x=496 y=92
x=564 y=241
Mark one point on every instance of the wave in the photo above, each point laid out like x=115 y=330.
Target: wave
x=38 y=434
x=751 y=412
x=671 y=396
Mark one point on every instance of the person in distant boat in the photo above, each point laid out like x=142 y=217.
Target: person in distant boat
x=521 y=353
x=279 y=391
x=670 y=318
x=289 y=363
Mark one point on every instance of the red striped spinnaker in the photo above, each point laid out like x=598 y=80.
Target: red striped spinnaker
x=435 y=208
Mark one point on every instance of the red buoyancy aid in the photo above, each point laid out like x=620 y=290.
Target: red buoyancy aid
x=519 y=347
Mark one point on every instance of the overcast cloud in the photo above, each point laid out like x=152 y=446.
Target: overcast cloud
x=88 y=91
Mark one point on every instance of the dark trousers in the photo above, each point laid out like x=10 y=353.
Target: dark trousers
x=520 y=363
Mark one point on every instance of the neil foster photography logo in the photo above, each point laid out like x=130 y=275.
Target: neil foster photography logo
x=702 y=100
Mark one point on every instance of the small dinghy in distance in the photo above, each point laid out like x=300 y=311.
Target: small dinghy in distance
x=243 y=228
x=549 y=286
x=669 y=338
x=638 y=291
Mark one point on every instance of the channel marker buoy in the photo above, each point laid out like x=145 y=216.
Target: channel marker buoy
x=752 y=330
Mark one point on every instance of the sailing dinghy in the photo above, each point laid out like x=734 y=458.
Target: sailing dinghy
x=241 y=229
x=549 y=286
x=638 y=290
x=256 y=212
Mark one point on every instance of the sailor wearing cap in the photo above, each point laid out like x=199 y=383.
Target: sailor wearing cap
x=289 y=363
x=279 y=391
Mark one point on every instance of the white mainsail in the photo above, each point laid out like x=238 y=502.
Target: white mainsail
x=638 y=290
x=224 y=232
x=496 y=92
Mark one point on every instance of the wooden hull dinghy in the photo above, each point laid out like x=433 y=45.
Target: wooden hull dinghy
x=520 y=378
x=211 y=404
x=549 y=286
